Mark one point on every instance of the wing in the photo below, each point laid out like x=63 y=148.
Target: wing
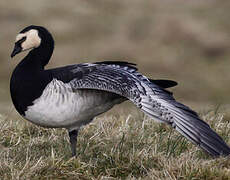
x=124 y=80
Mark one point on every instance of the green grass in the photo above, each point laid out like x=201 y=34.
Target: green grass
x=111 y=147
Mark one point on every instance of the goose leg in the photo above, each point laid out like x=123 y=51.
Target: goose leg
x=73 y=141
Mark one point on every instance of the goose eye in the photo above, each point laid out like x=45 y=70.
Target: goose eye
x=21 y=40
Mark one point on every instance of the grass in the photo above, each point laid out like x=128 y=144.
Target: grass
x=111 y=147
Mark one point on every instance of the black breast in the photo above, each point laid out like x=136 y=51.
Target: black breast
x=26 y=86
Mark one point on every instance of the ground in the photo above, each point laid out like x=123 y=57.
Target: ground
x=113 y=146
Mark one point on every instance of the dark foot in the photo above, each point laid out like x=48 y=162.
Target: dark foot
x=73 y=141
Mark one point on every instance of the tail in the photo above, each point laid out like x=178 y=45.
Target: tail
x=163 y=107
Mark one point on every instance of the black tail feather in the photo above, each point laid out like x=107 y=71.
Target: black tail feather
x=164 y=83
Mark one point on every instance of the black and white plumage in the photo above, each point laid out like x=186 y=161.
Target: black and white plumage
x=71 y=96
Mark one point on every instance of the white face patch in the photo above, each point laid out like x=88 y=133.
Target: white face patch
x=32 y=39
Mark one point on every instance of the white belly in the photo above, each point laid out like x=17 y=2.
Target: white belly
x=60 y=106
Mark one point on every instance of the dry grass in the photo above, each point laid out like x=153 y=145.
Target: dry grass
x=112 y=147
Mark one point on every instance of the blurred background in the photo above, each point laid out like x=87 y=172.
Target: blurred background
x=186 y=41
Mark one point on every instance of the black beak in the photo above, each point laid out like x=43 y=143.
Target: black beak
x=17 y=49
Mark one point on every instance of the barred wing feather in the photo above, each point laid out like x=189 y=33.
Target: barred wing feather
x=151 y=99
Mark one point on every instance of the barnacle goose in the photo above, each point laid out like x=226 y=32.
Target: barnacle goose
x=71 y=96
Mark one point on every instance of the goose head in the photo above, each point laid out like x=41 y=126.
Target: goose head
x=30 y=38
